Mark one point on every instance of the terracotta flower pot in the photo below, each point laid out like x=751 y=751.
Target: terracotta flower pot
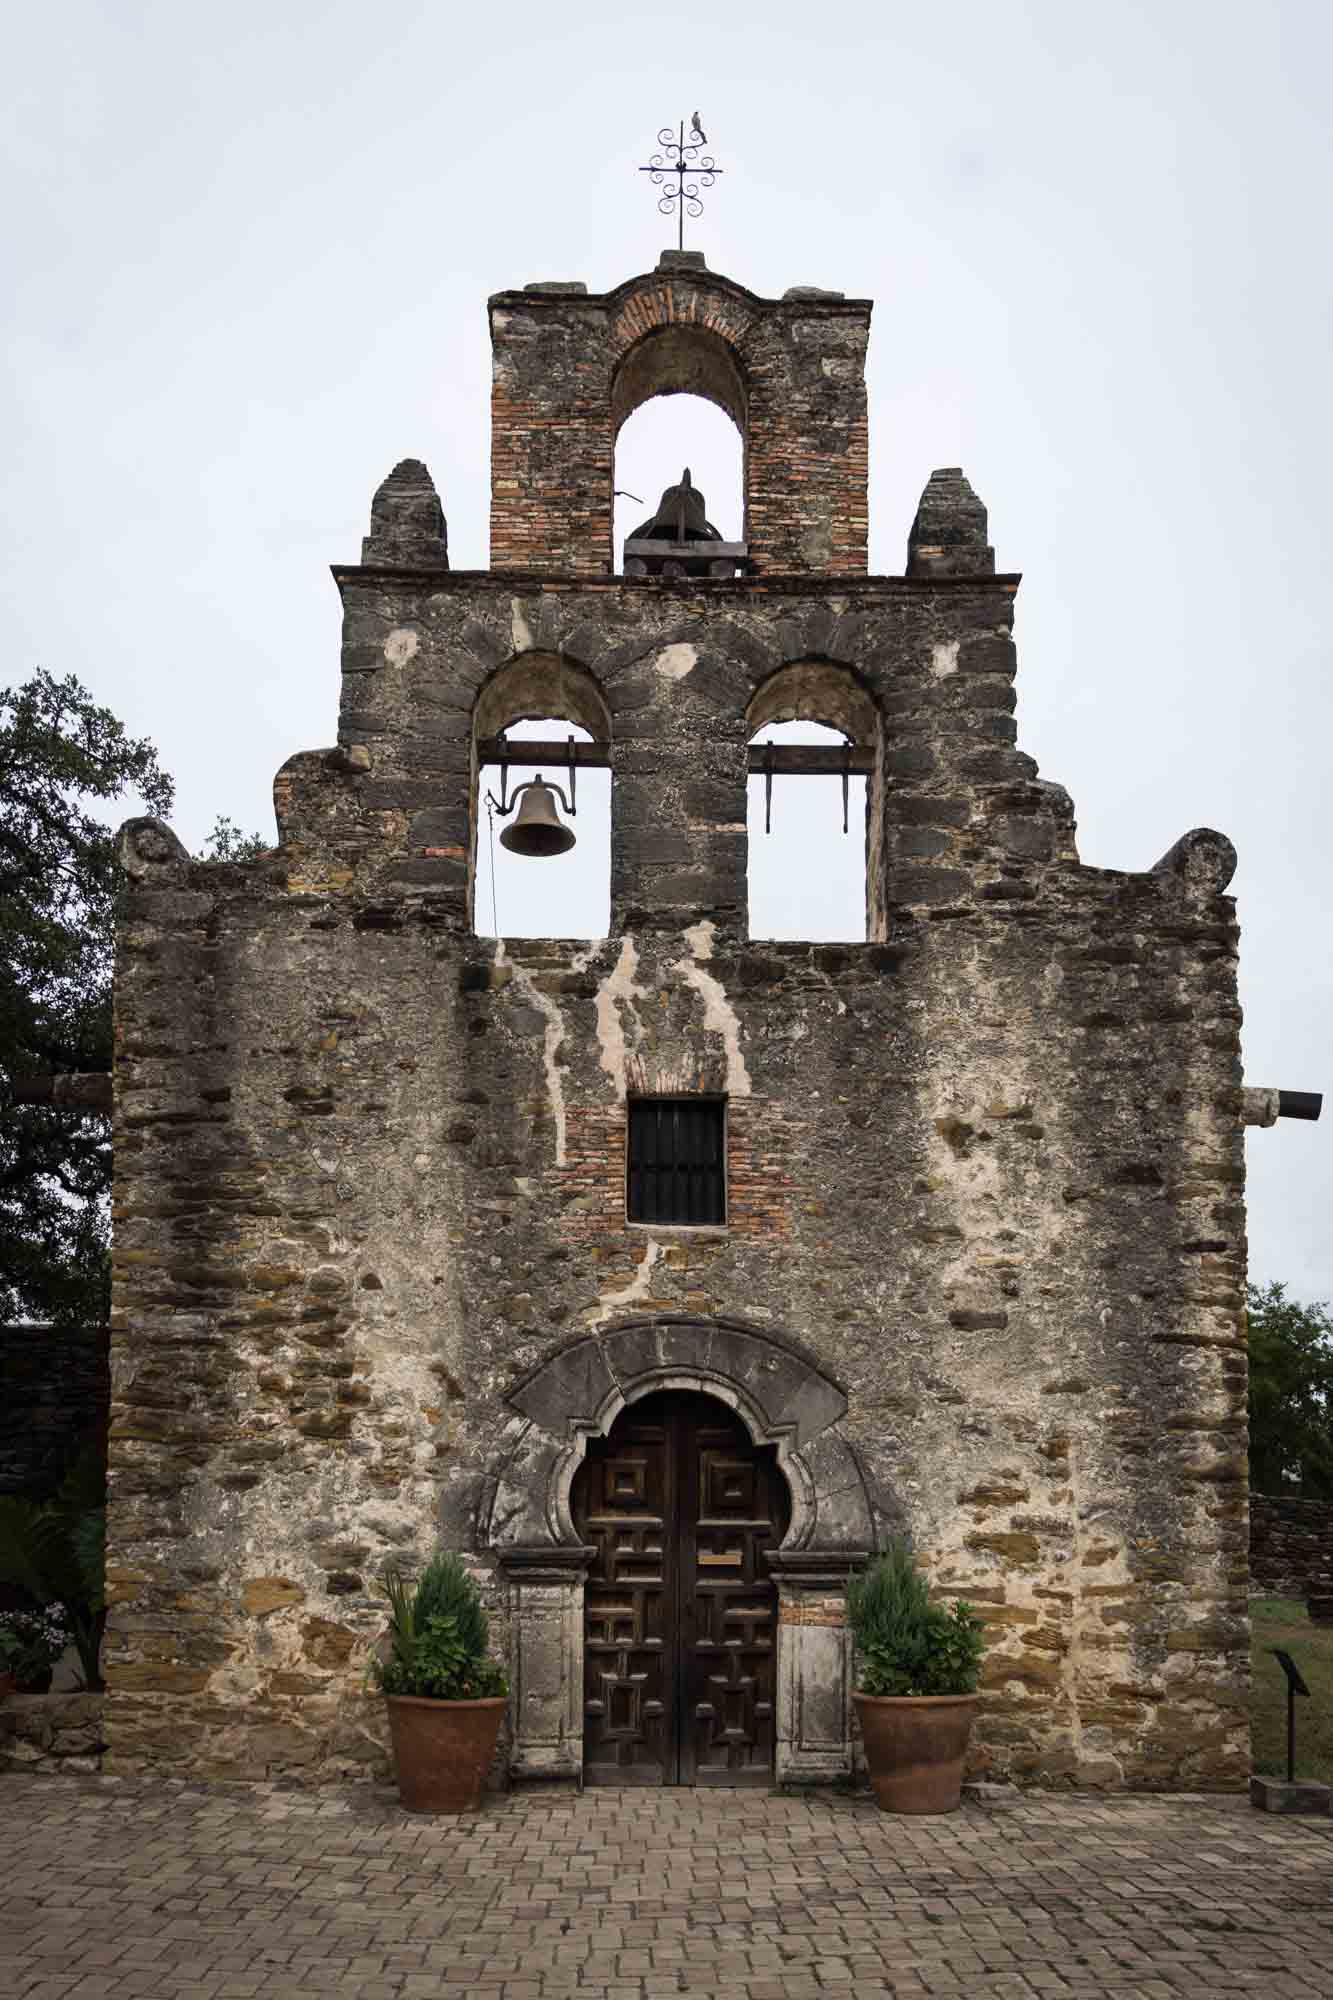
x=443 y=1750
x=915 y=1746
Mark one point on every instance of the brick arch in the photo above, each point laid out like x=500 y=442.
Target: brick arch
x=680 y=361
x=717 y=308
x=674 y=344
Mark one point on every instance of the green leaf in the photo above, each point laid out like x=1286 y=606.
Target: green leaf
x=61 y=757
x=438 y=1636
x=907 y=1644
x=1290 y=1394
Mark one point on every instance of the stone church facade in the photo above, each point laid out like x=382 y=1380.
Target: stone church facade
x=971 y=1258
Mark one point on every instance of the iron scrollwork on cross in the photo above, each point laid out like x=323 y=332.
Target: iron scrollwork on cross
x=692 y=166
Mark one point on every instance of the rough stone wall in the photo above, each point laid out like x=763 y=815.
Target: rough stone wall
x=52 y=1735
x=1291 y=1546
x=569 y=367
x=987 y=1168
x=56 y=1393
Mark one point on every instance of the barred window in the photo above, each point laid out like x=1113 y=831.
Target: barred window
x=677 y=1166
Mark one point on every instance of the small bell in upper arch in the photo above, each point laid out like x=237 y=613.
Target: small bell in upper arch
x=537 y=828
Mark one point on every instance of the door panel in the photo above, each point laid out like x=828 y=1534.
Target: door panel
x=623 y=1503
x=680 y=1642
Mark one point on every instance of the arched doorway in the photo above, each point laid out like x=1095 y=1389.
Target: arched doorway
x=680 y=1612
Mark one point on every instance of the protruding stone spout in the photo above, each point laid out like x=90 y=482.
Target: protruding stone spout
x=1203 y=859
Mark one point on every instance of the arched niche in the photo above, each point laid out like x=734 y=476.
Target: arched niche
x=682 y=360
x=534 y=686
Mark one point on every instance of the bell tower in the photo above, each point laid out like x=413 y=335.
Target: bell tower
x=569 y=366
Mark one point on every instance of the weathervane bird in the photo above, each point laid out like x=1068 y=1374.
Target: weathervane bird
x=696 y=127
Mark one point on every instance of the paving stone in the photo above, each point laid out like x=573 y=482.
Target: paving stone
x=121 y=1888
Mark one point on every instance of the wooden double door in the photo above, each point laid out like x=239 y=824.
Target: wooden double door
x=680 y=1624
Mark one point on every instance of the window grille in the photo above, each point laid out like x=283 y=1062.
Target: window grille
x=677 y=1160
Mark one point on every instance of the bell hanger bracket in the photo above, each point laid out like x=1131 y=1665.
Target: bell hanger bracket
x=507 y=801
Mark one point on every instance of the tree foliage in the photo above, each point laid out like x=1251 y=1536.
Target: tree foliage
x=1291 y=1394
x=61 y=758
x=60 y=755
x=227 y=843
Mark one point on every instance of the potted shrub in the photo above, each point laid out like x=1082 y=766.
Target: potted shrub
x=31 y=1642
x=445 y=1695
x=918 y=1669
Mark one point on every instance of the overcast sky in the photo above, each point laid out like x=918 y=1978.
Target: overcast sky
x=247 y=257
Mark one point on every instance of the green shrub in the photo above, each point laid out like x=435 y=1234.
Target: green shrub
x=438 y=1633
x=907 y=1644
x=55 y=1552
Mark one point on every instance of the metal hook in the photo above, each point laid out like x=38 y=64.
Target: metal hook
x=504 y=805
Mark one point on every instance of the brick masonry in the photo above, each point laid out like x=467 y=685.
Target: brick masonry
x=570 y=366
x=121 y=1889
x=986 y=1217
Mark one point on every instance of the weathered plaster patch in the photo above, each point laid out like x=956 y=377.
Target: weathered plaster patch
x=615 y=992
x=639 y=1288
x=402 y=645
x=944 y=659
x=720 y=1017
x=553 y=1037
x=520 y=632
x=674 y=662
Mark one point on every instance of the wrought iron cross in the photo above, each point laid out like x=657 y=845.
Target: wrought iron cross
x=690 y=160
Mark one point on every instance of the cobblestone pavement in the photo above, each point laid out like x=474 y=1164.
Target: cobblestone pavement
x=114 y=1888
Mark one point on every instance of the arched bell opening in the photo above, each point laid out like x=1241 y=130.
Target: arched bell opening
x=679 y=399
x=814 y=819
x=680 y=1509
x=541 y=821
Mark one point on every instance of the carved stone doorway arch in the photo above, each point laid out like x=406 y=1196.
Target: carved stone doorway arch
x=784 y=1399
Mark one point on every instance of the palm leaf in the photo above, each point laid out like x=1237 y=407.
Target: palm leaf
x=21 y=1557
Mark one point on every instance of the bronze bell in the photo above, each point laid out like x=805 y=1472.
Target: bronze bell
x=537 y=828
